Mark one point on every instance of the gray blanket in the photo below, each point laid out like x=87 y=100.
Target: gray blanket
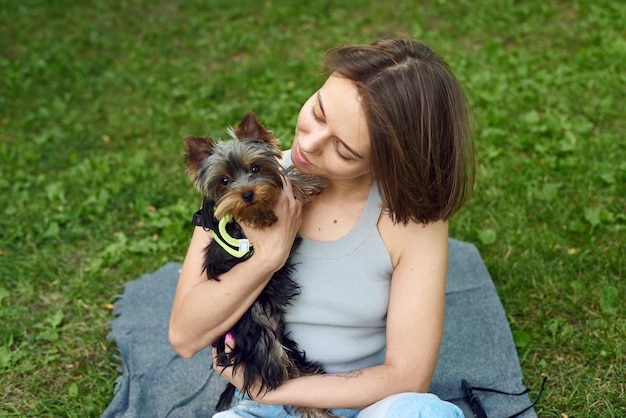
x=156 y=382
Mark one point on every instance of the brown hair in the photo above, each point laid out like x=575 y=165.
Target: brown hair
x=418 y=120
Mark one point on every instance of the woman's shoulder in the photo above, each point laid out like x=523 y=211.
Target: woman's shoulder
x=411 y=238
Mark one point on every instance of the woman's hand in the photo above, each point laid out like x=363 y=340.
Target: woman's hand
x=273 y=244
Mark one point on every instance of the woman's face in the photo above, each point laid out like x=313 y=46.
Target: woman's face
x=332 y=139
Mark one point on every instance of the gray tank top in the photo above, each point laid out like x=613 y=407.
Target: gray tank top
x=339 y=319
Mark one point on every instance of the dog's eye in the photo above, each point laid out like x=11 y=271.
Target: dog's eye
x=224 y=181
x=255 y=169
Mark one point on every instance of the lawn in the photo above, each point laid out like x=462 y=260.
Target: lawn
x=95 y=97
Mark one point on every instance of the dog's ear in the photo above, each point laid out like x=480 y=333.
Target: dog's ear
x=198 y=149
x=251 y=128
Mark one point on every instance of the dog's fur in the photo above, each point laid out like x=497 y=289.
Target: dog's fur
x=243 y=178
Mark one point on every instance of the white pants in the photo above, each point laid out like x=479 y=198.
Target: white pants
x=401 y=405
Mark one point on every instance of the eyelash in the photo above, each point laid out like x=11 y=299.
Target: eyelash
x=341 y=156
x=318 y=119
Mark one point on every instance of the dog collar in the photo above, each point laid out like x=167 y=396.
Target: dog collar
x=236 y=247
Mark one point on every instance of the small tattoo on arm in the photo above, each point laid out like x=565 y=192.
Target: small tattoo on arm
x=348 y=375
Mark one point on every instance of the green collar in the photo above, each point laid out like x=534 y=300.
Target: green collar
x=236 y=247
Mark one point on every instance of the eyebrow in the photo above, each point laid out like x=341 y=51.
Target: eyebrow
x=349 y=148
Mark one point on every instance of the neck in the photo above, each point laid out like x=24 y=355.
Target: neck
x=348 y=189
x=334 y=213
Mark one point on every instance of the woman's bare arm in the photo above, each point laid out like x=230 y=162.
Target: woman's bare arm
x=205 y=309
x=414 y=329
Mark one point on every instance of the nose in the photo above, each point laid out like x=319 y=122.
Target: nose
x=312 y=142
x=248 y=196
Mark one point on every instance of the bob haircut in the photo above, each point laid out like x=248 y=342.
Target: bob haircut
x=419 y=125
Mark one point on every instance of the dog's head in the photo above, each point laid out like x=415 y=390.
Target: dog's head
x=242 y=175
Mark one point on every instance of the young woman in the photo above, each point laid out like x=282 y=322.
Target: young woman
x=389 y=131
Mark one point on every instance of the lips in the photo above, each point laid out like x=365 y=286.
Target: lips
x=299 y=155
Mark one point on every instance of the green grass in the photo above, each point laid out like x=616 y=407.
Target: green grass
x=95 y=97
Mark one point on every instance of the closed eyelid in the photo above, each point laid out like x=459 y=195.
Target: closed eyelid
x=350 y=149
x=314 y=113
x=339 y=153
x=321 y=106
x=320 y=103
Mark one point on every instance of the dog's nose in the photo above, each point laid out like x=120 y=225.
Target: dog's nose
x=248 y=196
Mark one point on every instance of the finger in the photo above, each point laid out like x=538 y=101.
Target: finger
x=287 y=185
x=216 y=366
x=293 y=203
x=229 y=343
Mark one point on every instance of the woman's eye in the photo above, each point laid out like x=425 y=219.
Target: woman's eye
x=224 y=181
x=339 y=153
x=255 y=169
x=341 y=156
x=317 y=118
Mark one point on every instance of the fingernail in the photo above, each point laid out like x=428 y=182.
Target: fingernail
x=228 y=338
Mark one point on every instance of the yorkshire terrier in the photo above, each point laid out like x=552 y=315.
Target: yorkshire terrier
x=240 y=181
